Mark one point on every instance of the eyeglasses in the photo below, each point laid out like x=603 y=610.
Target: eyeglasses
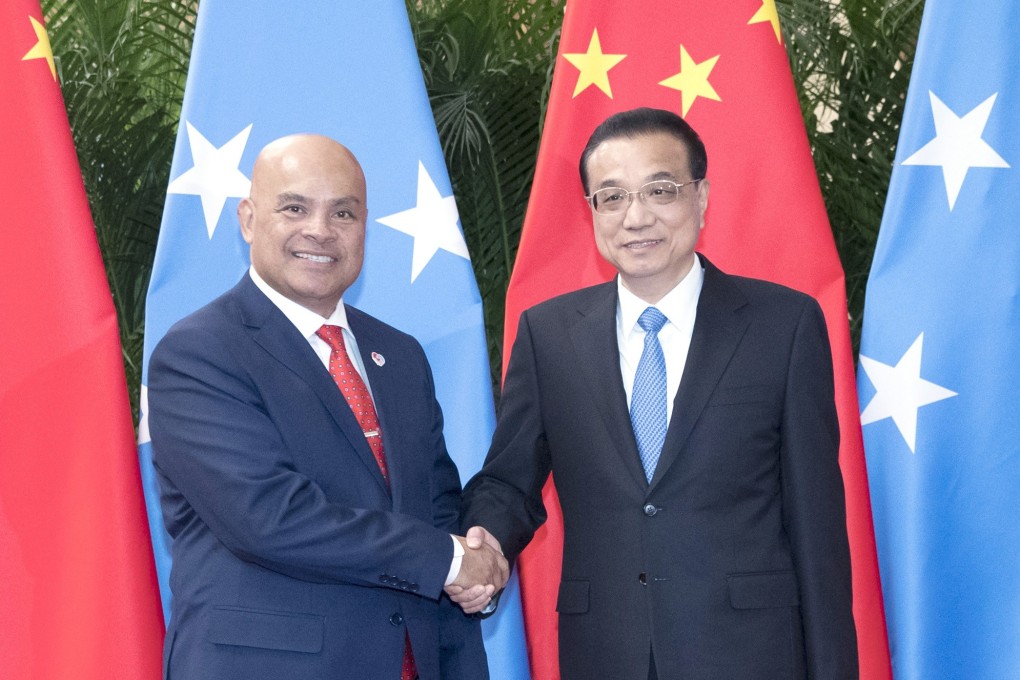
x=612 y=200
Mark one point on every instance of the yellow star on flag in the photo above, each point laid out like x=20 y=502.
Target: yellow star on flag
x=41 y=49
x=594 y=66
x=692 y=81
x=767 y=12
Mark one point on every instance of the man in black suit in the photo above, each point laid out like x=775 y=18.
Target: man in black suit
x=688 y=418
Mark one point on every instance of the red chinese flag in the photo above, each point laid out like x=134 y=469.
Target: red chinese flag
x=723 y=66
x=78 y=593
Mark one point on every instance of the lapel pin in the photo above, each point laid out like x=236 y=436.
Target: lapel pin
x=379 y=359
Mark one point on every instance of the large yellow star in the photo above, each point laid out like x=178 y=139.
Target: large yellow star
x=767 y=12
x=42 y=49
x=594 y=66
x=692 y=81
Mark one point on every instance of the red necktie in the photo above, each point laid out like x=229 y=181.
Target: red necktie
x=359 y=399
x=355 y=392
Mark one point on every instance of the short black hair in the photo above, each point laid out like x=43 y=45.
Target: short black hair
x=646 y=121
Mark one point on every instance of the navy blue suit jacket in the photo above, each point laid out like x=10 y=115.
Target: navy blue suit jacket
x=733 y=563
x=290 y=557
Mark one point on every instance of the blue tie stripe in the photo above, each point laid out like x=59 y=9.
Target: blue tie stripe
x=648 y=399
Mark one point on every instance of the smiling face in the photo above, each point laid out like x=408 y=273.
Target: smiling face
x=652 y=246
x=305 y=219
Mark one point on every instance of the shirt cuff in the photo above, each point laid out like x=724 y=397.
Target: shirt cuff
x=458 y=557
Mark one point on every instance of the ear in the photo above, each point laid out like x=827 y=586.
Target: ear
x=703 y=187
x=246 y=216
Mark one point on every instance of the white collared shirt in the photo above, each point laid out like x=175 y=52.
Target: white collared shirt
x=308 y=322
x=680 y=306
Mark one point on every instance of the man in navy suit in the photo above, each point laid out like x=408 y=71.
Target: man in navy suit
x=308 y=542
x=688 y=419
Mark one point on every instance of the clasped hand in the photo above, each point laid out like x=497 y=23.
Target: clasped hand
x=483 y=571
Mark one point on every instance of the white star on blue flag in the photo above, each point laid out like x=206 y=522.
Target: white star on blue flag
x=901 y=391
x=214 y=176
x=958 y=146
x=433 y=223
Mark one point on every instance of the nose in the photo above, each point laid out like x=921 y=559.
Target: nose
x=637 y=214
x=317 y=226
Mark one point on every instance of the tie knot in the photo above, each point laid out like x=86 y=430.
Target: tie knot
x=652 y=320
x=332 y=336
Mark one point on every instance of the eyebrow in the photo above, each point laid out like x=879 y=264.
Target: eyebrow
x=291 y=197
x=662 y=174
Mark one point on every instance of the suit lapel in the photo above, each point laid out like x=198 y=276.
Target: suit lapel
x=593 y=335
x=278 y=336
x=382 y=380
x=718 y=329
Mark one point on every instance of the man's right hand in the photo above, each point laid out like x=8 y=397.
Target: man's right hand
x=483 y=571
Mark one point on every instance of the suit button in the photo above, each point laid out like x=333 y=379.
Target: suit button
x=413 y=588
x=383 y=578
x=402 y=585
x=643 y=578
x=650 y=510
x=396 y=619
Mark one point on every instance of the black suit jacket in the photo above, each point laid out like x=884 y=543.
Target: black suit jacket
x=733 y=562
x=290 y=557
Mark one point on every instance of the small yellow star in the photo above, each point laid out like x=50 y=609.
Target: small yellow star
x=594 y=66
x=767 y=12
x=692 y=81
x=41 y=49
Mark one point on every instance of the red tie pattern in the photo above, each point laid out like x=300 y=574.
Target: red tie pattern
x=356 y=393
x=359 y=399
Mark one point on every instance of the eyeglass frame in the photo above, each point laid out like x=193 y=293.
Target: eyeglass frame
x=590 y=199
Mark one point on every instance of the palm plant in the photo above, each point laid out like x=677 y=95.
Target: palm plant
x=487 y=65
x=852 y=61
x=122 y=67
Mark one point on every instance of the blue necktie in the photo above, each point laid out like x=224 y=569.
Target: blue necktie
x=648 y=399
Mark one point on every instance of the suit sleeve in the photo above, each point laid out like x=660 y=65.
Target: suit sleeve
x=505 y=496
x=445 y=479
x=813 y=503
x=461 y=655
x=222 y=462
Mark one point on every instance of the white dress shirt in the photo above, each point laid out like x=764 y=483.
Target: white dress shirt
x=308 y=322
x=679 y=306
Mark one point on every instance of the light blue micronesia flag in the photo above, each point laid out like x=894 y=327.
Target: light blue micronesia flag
x=940 y=355
x=348 y=70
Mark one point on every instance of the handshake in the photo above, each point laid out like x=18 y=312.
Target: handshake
x=483 y=571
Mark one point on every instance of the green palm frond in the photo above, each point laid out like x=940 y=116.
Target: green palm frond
x=851 y=60
x=122 y=66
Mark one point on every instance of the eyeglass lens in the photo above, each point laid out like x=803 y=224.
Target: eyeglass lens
x=615 y=199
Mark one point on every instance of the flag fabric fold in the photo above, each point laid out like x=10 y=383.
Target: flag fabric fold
x=939 y=379
x=78 y=592
x=348 y=70
x=723 y=67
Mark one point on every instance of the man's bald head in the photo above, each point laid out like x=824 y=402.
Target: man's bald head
x=305 y=219
x=305 y=154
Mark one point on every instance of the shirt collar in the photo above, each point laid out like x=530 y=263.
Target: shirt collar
x=305 y=320
x=683 y=298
